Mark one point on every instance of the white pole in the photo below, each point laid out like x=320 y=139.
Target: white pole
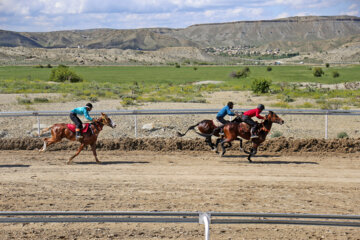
x=326 y=125
x=135 y=127
x=204 y=218
x=38 y=120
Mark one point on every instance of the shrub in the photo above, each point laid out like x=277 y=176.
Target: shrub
x=335 y=74
x=327 y=65
x=93 y=98
x=269 y=69
x=261 y=86
x=332 y=104
x=24 y=101
x=241 y=74
x=62 y=73
x=177 y=65
x=41 y=100
x=276 y=134
x=318 y=72
x=288 y=99
x=342 y=135
x=305 y=105
x=127 y=101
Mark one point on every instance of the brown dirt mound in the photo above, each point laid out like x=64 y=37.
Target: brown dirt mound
x=174 y=144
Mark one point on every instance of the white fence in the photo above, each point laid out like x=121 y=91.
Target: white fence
x=205 y=218
x=153 y=112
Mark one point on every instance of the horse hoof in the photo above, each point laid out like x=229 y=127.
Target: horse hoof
x=99 y=162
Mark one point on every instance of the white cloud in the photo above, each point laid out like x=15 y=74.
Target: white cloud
x=283 y=15
x=352 y=13
x=353 y=6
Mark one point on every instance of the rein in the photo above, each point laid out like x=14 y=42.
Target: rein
x=96 y=125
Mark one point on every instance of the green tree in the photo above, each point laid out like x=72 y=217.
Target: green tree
x=62 y=73
x=261 y=86
x=318 y=72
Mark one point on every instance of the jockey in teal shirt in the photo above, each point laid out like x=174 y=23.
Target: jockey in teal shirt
x=227 y=110
x=80 y=111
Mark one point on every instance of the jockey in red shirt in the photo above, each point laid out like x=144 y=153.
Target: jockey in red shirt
x=246 y=117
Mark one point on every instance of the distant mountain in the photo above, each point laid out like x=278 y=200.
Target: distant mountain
x=287 y=32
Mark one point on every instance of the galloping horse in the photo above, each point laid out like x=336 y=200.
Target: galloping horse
x=207 y=129
x=63 y=130
x=233 y=130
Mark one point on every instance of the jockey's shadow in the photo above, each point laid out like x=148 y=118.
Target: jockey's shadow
x=112 y=162
x=13 y=165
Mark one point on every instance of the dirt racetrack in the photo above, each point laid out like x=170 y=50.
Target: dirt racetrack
x=180 y=175
x=278 y=145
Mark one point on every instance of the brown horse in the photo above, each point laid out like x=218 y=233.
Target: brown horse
x=207 y=128
x=61 y=130
x=233 y=130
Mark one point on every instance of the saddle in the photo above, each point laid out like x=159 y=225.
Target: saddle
x=217 y=123
x=72 y=127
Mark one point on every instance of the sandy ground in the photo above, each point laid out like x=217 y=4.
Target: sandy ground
x=178 y=181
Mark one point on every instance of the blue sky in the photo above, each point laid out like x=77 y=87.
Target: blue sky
x=55 y=15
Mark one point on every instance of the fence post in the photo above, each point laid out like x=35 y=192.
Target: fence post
x=38 y=122
x=326 y=125
x=135 y=124
x=204 y=218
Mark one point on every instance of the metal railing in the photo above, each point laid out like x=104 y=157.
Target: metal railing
x=136 y=113
x=205 y=218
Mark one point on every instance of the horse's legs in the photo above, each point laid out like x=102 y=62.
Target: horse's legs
x=48 y=142
x=241 y=147
x=223 y=145
x=217 y=144
x=93 y=148
x=209 y=142
x=79 y=150
x=252 y=153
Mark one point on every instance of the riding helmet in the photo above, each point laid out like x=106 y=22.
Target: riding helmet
x=89 y=105
x=261 y=107
x=230 y=104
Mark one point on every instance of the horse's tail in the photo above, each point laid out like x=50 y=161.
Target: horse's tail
x=190 y=128
x=45 y=130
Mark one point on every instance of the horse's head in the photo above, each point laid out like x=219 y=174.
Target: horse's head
x=107 y=121
x=272 y=117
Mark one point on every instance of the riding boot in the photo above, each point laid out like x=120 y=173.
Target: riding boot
x=78 y=134
x=221 y=133
x=253 y=133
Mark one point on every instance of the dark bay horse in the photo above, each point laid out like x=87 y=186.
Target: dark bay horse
x=207 y=128
x=61 y=130
x=234 y=130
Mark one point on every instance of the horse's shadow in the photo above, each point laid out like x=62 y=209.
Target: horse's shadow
x=13 y=165
x=112 y=162
x=254 y=161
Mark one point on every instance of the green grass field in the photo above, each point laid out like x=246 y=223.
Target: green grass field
x=183 y=75
x=168 y=83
